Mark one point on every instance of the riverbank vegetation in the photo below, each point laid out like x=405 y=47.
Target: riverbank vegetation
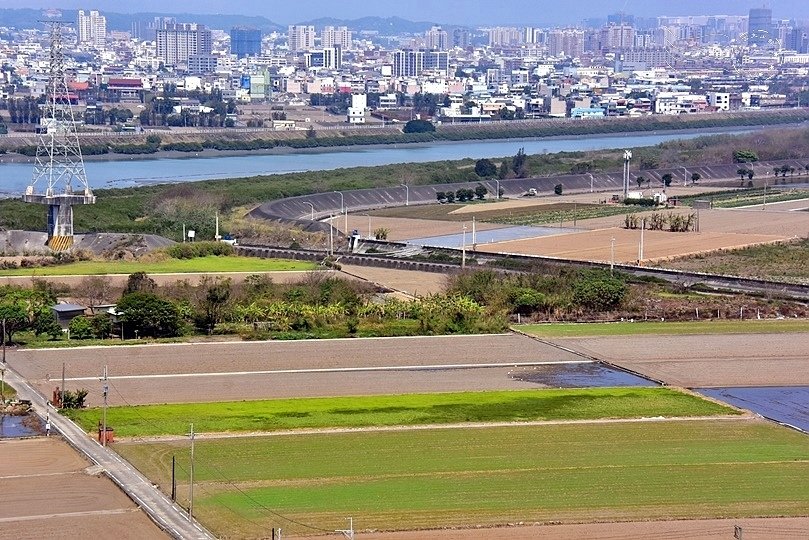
x=426 y=132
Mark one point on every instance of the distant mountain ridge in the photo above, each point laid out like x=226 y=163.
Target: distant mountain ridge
x=29 y=18
x=383 y=25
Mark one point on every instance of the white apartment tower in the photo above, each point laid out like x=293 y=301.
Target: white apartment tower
x=92 y=28
x=437 y=39
x=567 y=42
x=501 y=36
x=341 y=37
x=177 y=42
x=301 y=38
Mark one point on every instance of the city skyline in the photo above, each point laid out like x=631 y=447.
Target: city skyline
x=467 y=12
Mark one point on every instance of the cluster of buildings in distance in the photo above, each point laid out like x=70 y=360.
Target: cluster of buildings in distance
x=620 y=66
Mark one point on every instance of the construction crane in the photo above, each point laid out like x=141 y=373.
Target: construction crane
x=59 y=178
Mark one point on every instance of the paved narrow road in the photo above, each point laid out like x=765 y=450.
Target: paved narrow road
x=168 y=516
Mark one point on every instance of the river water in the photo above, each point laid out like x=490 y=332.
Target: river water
x=14 y=177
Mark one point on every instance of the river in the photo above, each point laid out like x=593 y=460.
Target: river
x=14 y=177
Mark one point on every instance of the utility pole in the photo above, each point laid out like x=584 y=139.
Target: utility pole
x=474 y=235
x=331 y=236
x=612 y=254
x=191 y=478
x=640 y=248
x=173 y=479
x=4 y=342
x=104 y=391
x=62 y=391
x=463 y=248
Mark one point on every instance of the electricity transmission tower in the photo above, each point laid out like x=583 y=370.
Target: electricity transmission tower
x=58 y=165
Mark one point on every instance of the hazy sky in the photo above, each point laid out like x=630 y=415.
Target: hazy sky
x=471 y=12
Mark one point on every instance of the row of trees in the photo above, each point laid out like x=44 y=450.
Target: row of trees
x=514 y=168
x=658 y=222
x=462 y=194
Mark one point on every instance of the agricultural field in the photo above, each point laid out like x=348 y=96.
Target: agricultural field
x=539 y=213
x=209 y=263
x=784 y=261
x=665 y=328
x=440 y=478
x=400 y=410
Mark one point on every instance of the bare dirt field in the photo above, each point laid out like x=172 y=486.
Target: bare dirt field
x=706 y=360
x=255 y=370
x=775 y=220
x=46 y=493
x=719 y=229
x=119 y=280
x=411 y=282
x=755 y=529
x=596 y=245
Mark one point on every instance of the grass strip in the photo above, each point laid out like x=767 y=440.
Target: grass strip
x=448 y=478
x=406 y=409
x=210 y=263
x=665 y=328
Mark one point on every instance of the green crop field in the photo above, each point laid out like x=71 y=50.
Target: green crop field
x=665 y=328
x=487 y=476
x=210 y=263
x=406 y=409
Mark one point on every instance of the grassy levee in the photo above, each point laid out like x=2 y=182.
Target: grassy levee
x=552 y=330
x=395 y=410
x=491 y=476
x=210 y=263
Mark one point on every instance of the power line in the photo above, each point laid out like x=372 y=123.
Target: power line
x=230 y=483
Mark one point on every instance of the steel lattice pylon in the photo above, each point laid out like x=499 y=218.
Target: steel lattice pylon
x=58 y=165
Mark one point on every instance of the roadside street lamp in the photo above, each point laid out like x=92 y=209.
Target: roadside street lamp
x=498 y=188
x=407 y=194
x=627 y=158
x=312 y=206
x=591 y=182
x=343 y=209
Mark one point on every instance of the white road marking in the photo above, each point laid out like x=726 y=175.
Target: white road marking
x=69 y=514
x=333 y=370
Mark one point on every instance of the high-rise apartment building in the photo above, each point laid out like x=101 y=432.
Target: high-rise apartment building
x=566 y=42
x=414 y=62
x=337 y=37
x=759 y=26
x=460 y=38
x=504 y=36
x=92 y=28
x=616 y=37
x=245 y=41
x=436 y=39
x=301 y=38
x=177 y=42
